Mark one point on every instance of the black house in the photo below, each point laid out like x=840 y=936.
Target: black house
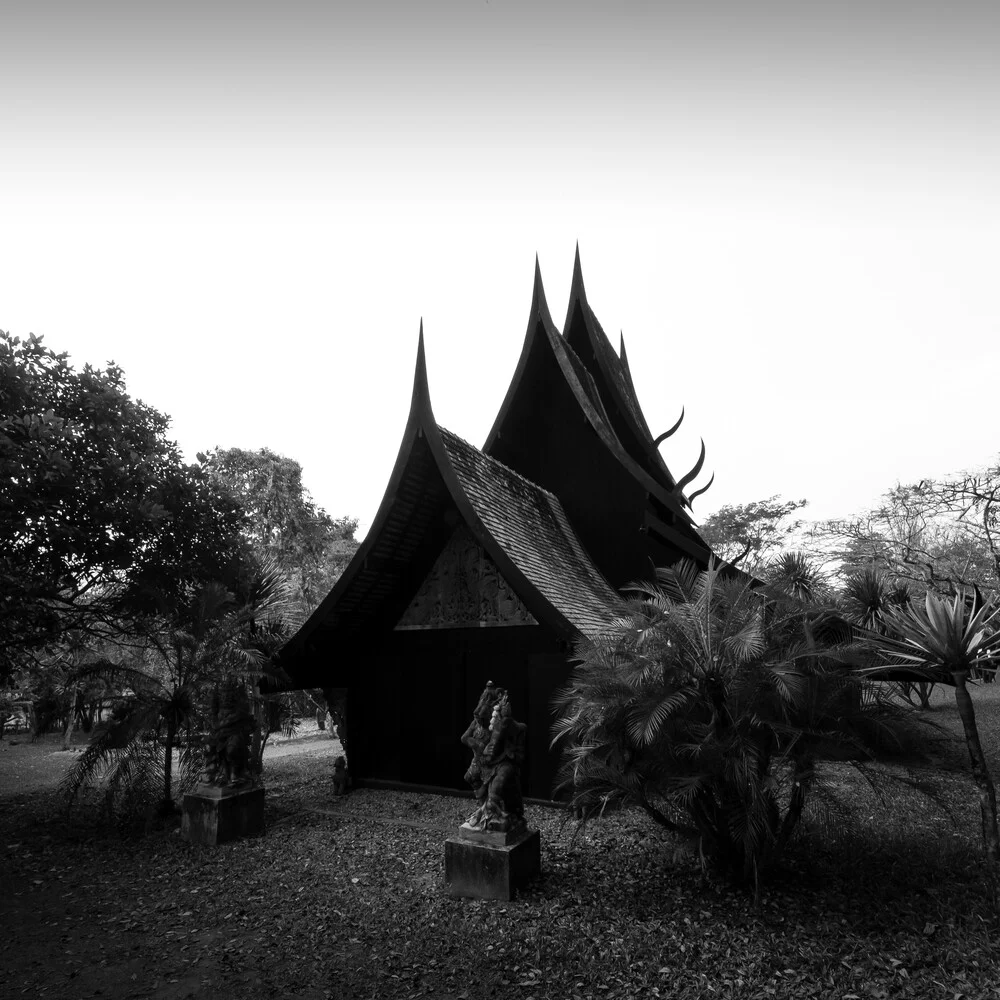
x=486 y=564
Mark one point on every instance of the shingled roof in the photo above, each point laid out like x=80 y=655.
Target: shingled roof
x=529 y=524
x=521 y=527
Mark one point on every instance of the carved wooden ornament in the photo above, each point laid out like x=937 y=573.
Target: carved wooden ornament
x=464 y=589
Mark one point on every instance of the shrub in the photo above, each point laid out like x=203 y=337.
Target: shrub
x=710 y=704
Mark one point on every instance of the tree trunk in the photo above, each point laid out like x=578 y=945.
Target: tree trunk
x=924 y=690
x=980 y=770
x=802 y=780
x=71 y=718
x=168 y=770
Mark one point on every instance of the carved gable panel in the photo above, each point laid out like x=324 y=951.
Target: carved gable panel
x=464 y=590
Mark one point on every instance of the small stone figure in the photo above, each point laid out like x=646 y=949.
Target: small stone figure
x=227 y=747
x=501 y=806
x=341 y=779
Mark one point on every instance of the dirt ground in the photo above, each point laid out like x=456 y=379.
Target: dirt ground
x=65 y=931
x=86 y=914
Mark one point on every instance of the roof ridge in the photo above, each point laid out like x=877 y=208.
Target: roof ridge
x=593 y=394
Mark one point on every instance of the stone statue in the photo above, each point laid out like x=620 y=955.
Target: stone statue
x=495 y=772
x=477 y=736
x=227 y=746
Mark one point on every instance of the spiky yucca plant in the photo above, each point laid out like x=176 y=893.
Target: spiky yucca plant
x=869 y=595
x=709 y=705
x=949 y=642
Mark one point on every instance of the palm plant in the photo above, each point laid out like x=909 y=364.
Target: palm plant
x=194 y=645
x=709 y=704
x=795 y=574
x=949 y=642
x=868 y=598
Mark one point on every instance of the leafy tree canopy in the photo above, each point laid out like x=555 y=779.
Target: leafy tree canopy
x=284 y=522
x=749 y=534
x=96 y=504
x=938 y=534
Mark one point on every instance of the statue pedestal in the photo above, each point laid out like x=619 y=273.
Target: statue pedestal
x=485 y=865
x=214 y=815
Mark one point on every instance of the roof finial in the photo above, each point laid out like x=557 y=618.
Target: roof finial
x=421 y=398
x=576 y=289
x=539 y=306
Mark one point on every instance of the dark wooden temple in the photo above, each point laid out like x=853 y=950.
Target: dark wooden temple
x=486 y=564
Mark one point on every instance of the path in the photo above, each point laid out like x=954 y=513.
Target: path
x=27 y=767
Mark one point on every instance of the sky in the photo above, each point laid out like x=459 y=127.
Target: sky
x=790 y=210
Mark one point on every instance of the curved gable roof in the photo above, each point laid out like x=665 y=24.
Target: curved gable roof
x=522 y=527
x=528 y=524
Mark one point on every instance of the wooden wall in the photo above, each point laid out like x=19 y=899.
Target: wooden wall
x=412 y=698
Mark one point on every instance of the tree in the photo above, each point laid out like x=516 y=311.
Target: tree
x=938 y=535
x=867 y=600
x=96 y=505
x=973 y=501
x=207 y=637
x=797 y=575
x=284 y=521
x=949 y=642
x=749 y=534
x=709 y=704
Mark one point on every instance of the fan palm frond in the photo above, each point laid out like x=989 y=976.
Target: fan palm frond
x=111 y=741
x=121 y=675
x=644 y=724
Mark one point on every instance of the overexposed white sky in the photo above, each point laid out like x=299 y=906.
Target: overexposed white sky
x=791 y=210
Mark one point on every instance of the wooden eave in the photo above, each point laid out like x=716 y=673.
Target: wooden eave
x=372 y=555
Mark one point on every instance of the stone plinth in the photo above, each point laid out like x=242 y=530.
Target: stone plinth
x=214 y=815
x=480 y=869
x=496 y=838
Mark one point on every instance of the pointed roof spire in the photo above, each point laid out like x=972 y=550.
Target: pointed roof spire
x=420 y=401
x=577 y=293
x=539 y=305
x=578 y=330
